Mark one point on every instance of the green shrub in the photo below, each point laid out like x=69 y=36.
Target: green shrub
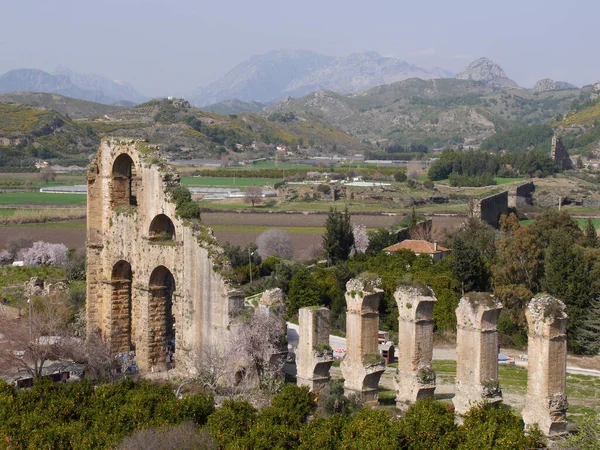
x=231 y=422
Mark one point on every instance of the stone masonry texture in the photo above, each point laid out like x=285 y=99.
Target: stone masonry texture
x=314 y=356
x=163 y=300
x=546 y=401
x=415 y=377
x=476 y=351
x=362 y=367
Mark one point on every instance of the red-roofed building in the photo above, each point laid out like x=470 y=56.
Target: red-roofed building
x=420 y=246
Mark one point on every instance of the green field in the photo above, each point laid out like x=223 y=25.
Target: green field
x=500 y=180
x=228 y=182
x=582 y=222
x=272 y=165
x=39 y=198
x=582 y=390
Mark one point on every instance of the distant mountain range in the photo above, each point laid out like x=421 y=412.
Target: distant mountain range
x=68 y=83
x=275 y=75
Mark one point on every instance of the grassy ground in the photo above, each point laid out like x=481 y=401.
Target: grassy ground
x=501 y=180
x=583 y=391
x=227 y=182
x=582 y=222
x=280 y=165
x=38 y=198
x=323 y=206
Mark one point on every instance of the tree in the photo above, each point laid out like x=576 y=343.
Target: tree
x=567 y=277
x=254 y=341
x=338 y=238
x=44 y=253
x=253 y=195
x=275 y=242
x=303 y=291
x=47 y=174
x=591 y=236
x=32 y=341
x=468 y=267
x=361 y=240
x=380 y=239
x=400 y=176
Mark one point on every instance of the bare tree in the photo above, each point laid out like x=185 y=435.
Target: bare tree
x=251 y=355
x=253 y=195
x=275 y=242
x=257 y=342
x=47 y=174
x=33 y=340
x=427 y=233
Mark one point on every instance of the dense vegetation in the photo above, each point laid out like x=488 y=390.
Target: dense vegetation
x=473 y=168
x=81 y=416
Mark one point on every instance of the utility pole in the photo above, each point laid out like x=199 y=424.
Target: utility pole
x=250 y=261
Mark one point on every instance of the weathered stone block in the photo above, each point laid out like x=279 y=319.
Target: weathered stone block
x=546 y=401
x=415 y=377
x=476 y=351
x=362 y=367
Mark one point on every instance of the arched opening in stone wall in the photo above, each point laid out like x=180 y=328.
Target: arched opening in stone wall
x=161 y=319
x=122 y=313
x=162 y=229
x=124 y=182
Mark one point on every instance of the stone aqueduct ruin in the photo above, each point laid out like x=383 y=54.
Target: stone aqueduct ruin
x=152 y=288
x=476 y=351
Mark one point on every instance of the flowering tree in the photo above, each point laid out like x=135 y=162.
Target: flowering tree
x=361 y=240
x=5 y=257
x=44 y=253
x=275 y=242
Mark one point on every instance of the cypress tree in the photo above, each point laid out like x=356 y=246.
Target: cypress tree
x=338 y=239
x=591 y=237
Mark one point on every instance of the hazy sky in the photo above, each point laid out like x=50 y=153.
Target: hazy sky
x=170 y=47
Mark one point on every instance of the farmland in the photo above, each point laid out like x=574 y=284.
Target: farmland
x=227 y=182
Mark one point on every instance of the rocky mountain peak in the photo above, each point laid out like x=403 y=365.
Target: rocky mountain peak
x=487 y=71
x=547 y=84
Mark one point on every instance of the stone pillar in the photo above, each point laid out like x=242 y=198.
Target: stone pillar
x=415 y=377
x=362 y=367
x=546 y=401
x=314 y=356
x=477 y=351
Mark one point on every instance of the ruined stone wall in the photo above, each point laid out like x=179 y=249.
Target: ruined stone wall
x=489 y=209
x=523 y=195
x=139 y=290
x=559 y=154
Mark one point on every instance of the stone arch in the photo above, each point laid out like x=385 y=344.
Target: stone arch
x=161 y=229
x=124 y=182
x=161 y=318
x=121 y=308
